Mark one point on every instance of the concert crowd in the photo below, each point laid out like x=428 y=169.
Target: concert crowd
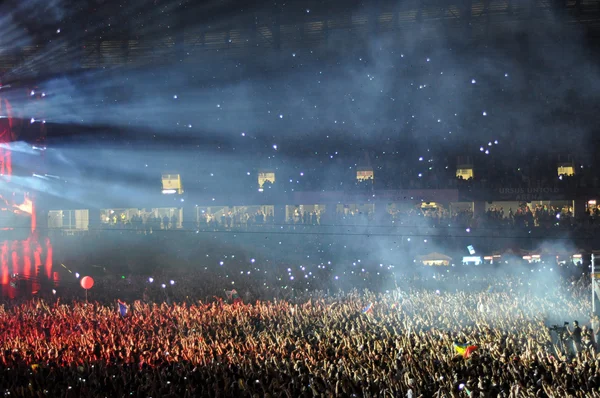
x=177 y=340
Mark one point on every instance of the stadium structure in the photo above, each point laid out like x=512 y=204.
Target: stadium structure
x=179 y=205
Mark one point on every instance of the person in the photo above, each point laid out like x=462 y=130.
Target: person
x=576 y=336
x=595 y=328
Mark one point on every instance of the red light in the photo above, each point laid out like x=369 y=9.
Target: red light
x=19 y=260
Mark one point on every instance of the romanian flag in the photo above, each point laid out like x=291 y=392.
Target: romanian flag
x=368 y=308
x=464 y=349
x=122 y=308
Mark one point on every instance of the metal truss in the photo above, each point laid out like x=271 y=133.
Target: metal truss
x=271 y=30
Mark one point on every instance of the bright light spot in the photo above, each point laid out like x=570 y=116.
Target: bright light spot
x=468 y=229
x=58 y=30
x=164 y=286
x=150 y=279
x=421 y=159
x=281 y=116
x=473 y=81
x=487 y=152
x=481 y=149
x=76 y=274
x=172 y=282
x=484 y=113
x=175 y=96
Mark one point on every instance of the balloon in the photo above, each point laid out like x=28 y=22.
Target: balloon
x=87 y=282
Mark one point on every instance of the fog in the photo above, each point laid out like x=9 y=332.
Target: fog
x=310 y=113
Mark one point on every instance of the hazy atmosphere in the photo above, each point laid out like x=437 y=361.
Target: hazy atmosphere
x=297 y=199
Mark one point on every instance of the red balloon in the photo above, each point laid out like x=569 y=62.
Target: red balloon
x=87 y=282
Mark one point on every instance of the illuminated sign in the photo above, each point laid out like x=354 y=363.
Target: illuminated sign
x=264 y=176
x=171 y=184
x=566 y=170
x=363 y=174
x=464 y=173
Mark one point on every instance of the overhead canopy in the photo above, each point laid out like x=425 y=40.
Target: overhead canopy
x=515 y=253
x=435 y=259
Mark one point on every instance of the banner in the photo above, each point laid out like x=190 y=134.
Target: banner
x=516 y=194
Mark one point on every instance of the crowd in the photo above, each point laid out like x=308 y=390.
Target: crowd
x=402 y=339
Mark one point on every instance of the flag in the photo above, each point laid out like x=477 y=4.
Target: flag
x=122 y=308
x=368 y=308
x=233 y=295
x=464 y=349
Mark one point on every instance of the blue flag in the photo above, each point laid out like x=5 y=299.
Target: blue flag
x=122 y=308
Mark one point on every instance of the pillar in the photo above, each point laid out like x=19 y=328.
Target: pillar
x=279 y=214
x=478 y=209
x=95 y=222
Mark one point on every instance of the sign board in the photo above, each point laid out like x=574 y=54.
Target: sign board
x=264 y=176
x=516 y=194
x=171 y=183
x=364 y=174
